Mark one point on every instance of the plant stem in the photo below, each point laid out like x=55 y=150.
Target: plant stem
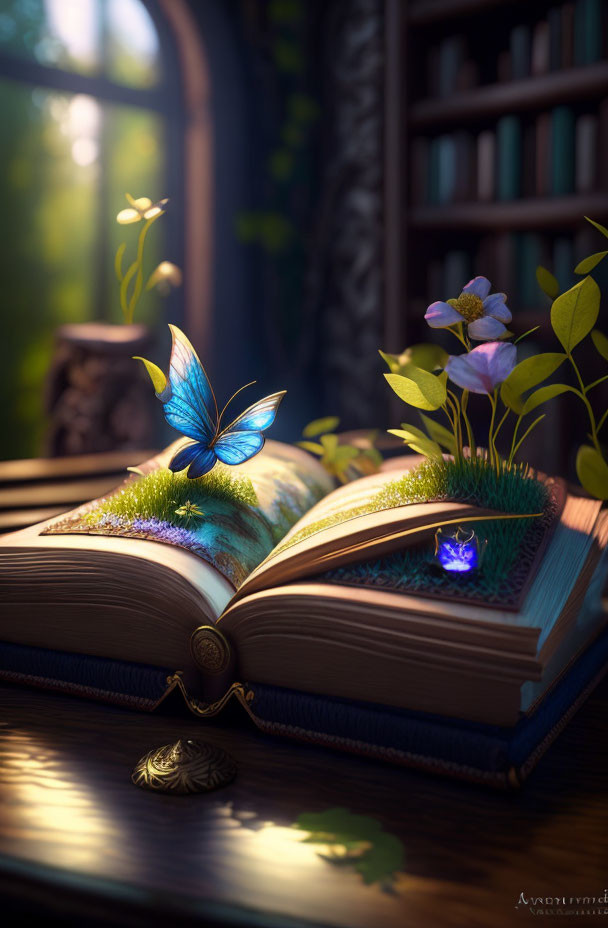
x=595 y=383
x=463 y=405
x=594 y=429
x=492 y=400
x=456 y=330
x=515 y=431
x=452 y=417
x=500 y=424
x=525 y=435
x=602 y=420
x=458 y=435
x=139 y=262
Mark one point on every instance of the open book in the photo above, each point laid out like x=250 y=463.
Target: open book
x=320 y=609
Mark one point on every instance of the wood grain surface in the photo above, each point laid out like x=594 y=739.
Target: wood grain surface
x=81 y=844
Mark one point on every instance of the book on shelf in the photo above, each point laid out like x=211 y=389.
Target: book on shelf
x=589 y=30
x=528 y=171
x=528 y=257
x=554 y=21
x=585 y=159
x=320 y=611
x=509 y=151
x=486 y=165
x=446 y=169
x=520 y=48
x=567 y=33
x=541 y=49
x=452 y=56
x=543 y=155
x=553 y=154
x=562 y=151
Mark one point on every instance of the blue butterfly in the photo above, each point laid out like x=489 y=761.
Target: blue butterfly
x=190 y=407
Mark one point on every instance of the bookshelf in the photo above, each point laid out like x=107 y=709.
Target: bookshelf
x=569 y=85
x=496 y=147
x=520 y=214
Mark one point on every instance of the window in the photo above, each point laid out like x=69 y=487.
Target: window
x=86 y=97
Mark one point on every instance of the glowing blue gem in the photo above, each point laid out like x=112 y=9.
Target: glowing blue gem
x=457 y=553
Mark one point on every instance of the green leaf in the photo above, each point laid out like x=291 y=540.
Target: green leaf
x=439 y=433
x=417 y=441
x=344 y=454
x=592 y=471
x=318 y=426
x=312 y=446
x=527 y=374
x=330 y=443
x=159 y=381
x=543 y=394
x=598 y=226
x=427 y=356
x=394 y=361
x=547 y=281
x=510 y=398
x=373 y=455
x=575 y=312
x=419 y=388
x=587 y=264
x=413 y=431
x=601 y=343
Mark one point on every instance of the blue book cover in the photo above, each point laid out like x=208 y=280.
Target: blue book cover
x=490 y=754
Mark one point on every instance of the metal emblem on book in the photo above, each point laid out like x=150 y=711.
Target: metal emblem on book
x=210 y=649
x=185 y=767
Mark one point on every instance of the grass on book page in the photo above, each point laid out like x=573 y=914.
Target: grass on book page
x=232 y=520
x=512 y=544
x=472 y=481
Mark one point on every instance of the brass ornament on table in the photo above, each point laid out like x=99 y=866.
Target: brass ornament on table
x=185 y=767
x=210 y=649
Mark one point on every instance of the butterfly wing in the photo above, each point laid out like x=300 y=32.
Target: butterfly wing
x=189 y=401
x=196 y=457
x=243 y=438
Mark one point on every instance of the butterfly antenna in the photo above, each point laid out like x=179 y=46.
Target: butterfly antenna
x=219 y=421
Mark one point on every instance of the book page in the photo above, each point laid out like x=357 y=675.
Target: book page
x=232 y=518
x=364 y=516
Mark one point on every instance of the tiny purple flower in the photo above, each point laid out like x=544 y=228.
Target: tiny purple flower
x=483 y=368
x=484 y=313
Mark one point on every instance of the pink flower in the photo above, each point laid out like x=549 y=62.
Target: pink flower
x=485 y=313
x=483 y=368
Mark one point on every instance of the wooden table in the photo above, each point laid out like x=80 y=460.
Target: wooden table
x=79 y=844
x=78 y=840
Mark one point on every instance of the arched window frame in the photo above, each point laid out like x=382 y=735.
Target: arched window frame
x=182 y=100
